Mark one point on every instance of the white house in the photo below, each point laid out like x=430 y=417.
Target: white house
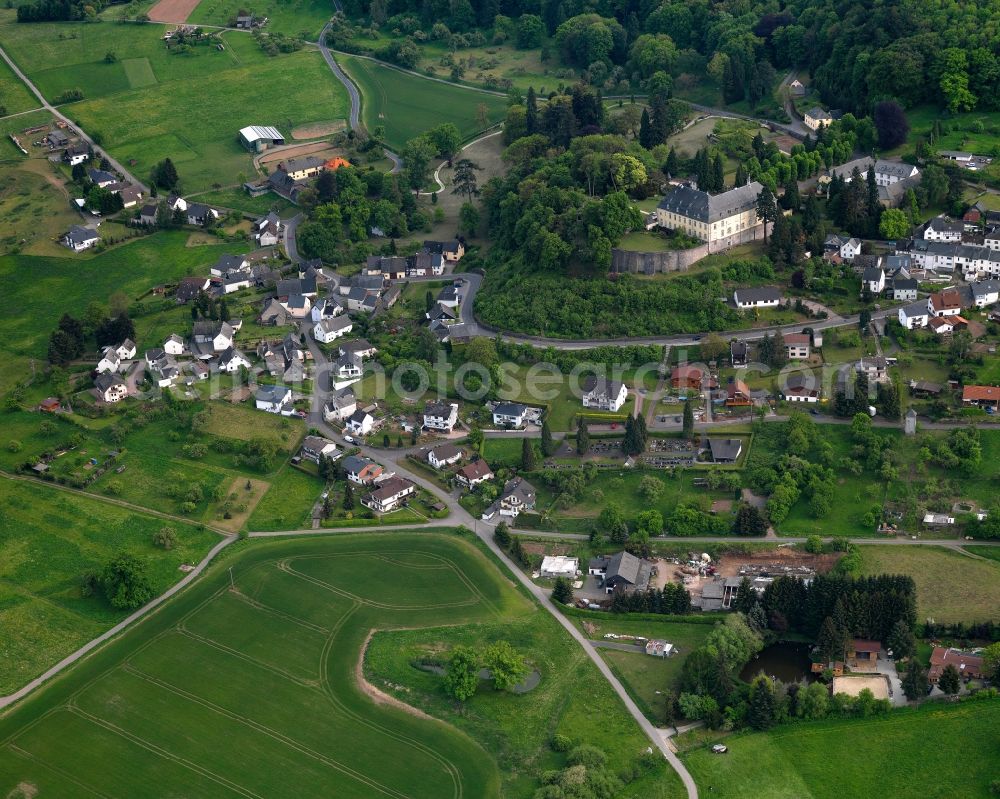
x=914 y=316
x=267 y=230
x=938 y=519
x=797 y=346
x=388 y=494
x=873 y=279
x=232 y=360
x=945 y=303
x=472 y=474
x=360 y=423
x=79 y=238
x=315 y=448
x=440 y=416
x=111 y=387
x=76 y=154
x=341 y=406
x=174 y=345
x=850 y=248
x=348 y=368
x=764 y=297
x=518 y=496
x=941 y=228
x=604 y=394
x=362 y=471
x=815 y=117
x=328 y=330
x=985 y=293
x=126 y=350
x=213 y=336
x=274 y=399
x=110 y=360
x=325 y=308
x=509 y=414
x=444 y=455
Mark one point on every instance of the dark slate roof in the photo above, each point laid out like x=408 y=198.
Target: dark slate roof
x=725 y=449
x=510 y=409
x=764 y=293
x=706 y=207
x=602 y=387
x=628 y=568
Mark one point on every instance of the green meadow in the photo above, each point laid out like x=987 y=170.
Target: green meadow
x=909 y=754
x=48 y=540
x=291 y=17
x=14 y=95
x=407 y=105
x=151 y=103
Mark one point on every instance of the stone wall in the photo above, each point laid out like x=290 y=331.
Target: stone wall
x=653 y=263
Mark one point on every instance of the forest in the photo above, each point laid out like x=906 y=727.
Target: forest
x=857 y=53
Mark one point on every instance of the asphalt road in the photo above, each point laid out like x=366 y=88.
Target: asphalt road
x=83 y=135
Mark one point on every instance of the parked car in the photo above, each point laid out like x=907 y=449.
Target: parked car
x=350 y=440
x=720 y=749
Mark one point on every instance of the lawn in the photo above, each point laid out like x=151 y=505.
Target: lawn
x=239 y=200
x=271 y=669
x=14 y=95
x=35 y=210
x=951 y=586
x=291 y=17
x=48 y=540
x=288 y=503
x=151 y=103
x=407 y=105
x=911 y=754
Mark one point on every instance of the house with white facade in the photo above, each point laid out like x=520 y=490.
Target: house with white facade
x=815 y=117
x=110 y=361
x=174 y=345
x=873 y=279
x=110 y=387
x=328 y=330
x=721 y=220
x=340 y=406
x=941 y=228
x=440 y=416
x=518 y=496
x=389 y=494
x=360 y=423
x=914 y=316
x=604 y=394
x=444 y=455
x=315 y=448
x=763 y=297
x=509 y=414
x=232 y=360
x=274 y=399
x=79 y=238
x=945 y=303
x=797 y=346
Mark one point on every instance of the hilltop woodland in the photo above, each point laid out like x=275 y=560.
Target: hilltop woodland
x=857 y=54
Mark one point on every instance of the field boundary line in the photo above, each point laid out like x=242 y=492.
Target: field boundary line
x=245 y=657
x=411 y=72
x=121 y=626
x=60 y=771
x=166 y=754
x=308 y=625
x=269 y=731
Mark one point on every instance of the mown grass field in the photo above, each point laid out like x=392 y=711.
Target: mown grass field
x=407 y=105
x=950 y=586
x=910 y=754
x=291 y=17
x=14 y=95
x=48 y=540
x=34 y=206
x=254 y=691
x=152 y=104
x=288 y=501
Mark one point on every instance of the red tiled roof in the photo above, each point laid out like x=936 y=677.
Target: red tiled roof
x=861 y=645
x=980 y=393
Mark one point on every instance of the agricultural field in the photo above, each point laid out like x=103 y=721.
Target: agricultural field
x=239 y=200
x=48 y=540
x=292 y=635
x=34 y=204
x=951 y=586
x=407 y=105
x=823 y=760
x=150 y=104
x=292 y=17
x=288 y=502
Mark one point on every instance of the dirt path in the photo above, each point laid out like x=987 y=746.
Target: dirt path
x=378 y=696
x=173 y=11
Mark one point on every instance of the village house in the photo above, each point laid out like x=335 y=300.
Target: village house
x=76 y=154
x=904 y=288
x=985 y=293
x=126 y=350
x=298 y=306
x=981 y=396
x=174 y=345
x=518 y=496
x=621 y=571
x=348 y=368
x=739 y=353
x=274 y=314
x=862 y=655
x=876 y=369
x=945 y=303
x=161 y=367
x=893 y=178
x=797 y=346
x=190 y=287
x=941 y=228
x=211 y=337
x=686 y=376
x=267 y=230
x=79 y=238
x=315 y=448
x=914 y=316
x=359 y=346
x=451 y=251
x=228 y=264
x=100 y=178
x=274 y=399
x=302 y=168
x=946 y=325
x=450 y=296
x=969 y=666
x=325 y=308
x=110 y=361
x=738 y=394
x=873 y=279
x=472 y=474
x=340 y=406
x=721 y=220
x=444 y=455
x=440 y=416
x=232 y=360
x=764 y=297
x=110 y=387
x=509 y=414
x=360 y=423
x=800 y=391
x=604 y=394
x=554 y=566
x=725 y=450
x=360 y=470
x=389 y=494
x=329 y=330
x=815 y=117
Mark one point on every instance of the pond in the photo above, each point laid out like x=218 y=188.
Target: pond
x=785 y=661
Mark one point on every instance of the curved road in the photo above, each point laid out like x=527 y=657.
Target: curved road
x=83 y=135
